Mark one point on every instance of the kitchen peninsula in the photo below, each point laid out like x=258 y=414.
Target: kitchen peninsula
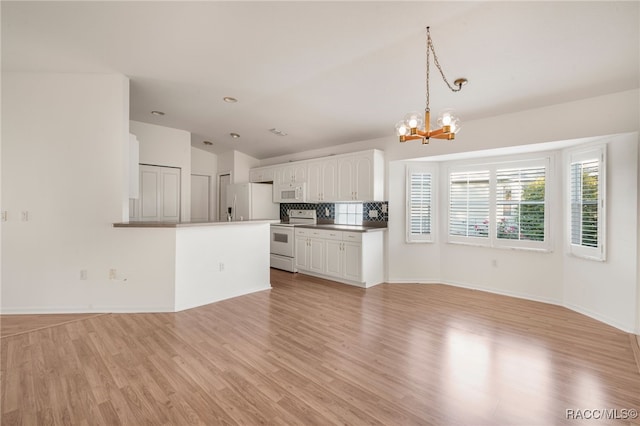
x=197 y=263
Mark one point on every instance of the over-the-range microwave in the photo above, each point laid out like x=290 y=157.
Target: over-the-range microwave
x=295 y=192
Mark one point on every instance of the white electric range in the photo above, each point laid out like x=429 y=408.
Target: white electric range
x=283 y=241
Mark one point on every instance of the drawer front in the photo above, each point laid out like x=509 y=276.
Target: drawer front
x=331 y=235
x=352 y=236
x=301 y=232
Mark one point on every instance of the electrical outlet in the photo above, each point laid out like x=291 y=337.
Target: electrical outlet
x=83 y=274
x=112 y=274
x=221 y=266
x=24 y=216
x=4 y=215
x=373 y=213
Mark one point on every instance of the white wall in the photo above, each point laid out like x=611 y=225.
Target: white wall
x=63 y=139
x=206 y=163
x=165 y=146
x=238 y=164
x=608 y=290
x=242 y=163
x=218 y=262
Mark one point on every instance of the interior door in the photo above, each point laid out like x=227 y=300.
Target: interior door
x=200 y=191
x=223 y=181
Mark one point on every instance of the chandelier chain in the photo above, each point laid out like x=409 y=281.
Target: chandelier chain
x=431 y=48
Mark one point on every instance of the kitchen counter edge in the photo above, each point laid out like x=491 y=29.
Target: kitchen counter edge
x=190 y=224
x=345 y=228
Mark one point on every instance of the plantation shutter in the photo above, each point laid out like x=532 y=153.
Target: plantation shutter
x=420 y=206
x=469 y=204
x=584 y=203
x=586 y=181
x=520 y=203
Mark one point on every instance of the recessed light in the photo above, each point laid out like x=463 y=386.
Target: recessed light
x=277 y=132
x=229 y=100
x=207 y=142
x=234 y=135
x=157 y=112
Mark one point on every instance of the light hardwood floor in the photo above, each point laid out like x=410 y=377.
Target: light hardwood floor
x=313 y=352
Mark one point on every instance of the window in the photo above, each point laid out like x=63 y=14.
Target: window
x=469 y=204
x=420 y=185
x=520 y=204
x=500 y=205
x=586 y=194
x=349 y=214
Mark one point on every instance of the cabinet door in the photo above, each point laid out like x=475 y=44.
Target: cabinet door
x=363 y=178
x=352 y=261
x=300 y=172
x=333 y=258
x=316 y=257
x=302 y=250
x=345 y=179
x=329 y=184
x=255 y=175
x=314 y=182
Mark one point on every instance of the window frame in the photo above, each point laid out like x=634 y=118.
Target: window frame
x=463 y=239
x=431 y=236
x=581 y=155
x=540 y=160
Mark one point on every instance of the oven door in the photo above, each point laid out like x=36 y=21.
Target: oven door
x=282 y=240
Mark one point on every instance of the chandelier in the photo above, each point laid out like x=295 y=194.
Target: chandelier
x=413 y=127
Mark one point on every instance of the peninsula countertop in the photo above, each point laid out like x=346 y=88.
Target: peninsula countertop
x=190 y=224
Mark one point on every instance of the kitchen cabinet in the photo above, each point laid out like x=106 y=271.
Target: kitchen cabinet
x=322 y=184
x=357 y=176
x=292 y=172
x=361 y=177
x=309 y=251
x=262 y=174
x=354 y=258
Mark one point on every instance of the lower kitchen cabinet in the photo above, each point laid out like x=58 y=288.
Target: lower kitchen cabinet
x=309 y=253
x=350 y=257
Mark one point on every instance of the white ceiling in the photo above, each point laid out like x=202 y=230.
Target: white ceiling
x=327 y=73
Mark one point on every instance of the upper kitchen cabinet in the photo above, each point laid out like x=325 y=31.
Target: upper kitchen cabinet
x=350 y=177
x=263 y=174
x=323 y=180
x=361 y=176
x=292 y=172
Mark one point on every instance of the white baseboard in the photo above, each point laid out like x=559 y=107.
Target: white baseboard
x=243 y=293
x=516 y=294
x=601 y=318
x=526 y=296
x=414 y=281
x=42 y=310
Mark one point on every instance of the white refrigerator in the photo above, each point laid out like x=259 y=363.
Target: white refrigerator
x=250 y=201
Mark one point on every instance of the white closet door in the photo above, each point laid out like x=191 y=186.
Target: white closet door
x=159 y=195
x=200 y=190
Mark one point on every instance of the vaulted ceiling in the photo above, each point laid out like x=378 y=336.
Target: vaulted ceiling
x=327 y=73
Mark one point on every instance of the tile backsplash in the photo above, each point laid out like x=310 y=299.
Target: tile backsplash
x=327 y=211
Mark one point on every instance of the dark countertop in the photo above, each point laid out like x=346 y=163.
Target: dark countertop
x=188 y=224
x=350 y=228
